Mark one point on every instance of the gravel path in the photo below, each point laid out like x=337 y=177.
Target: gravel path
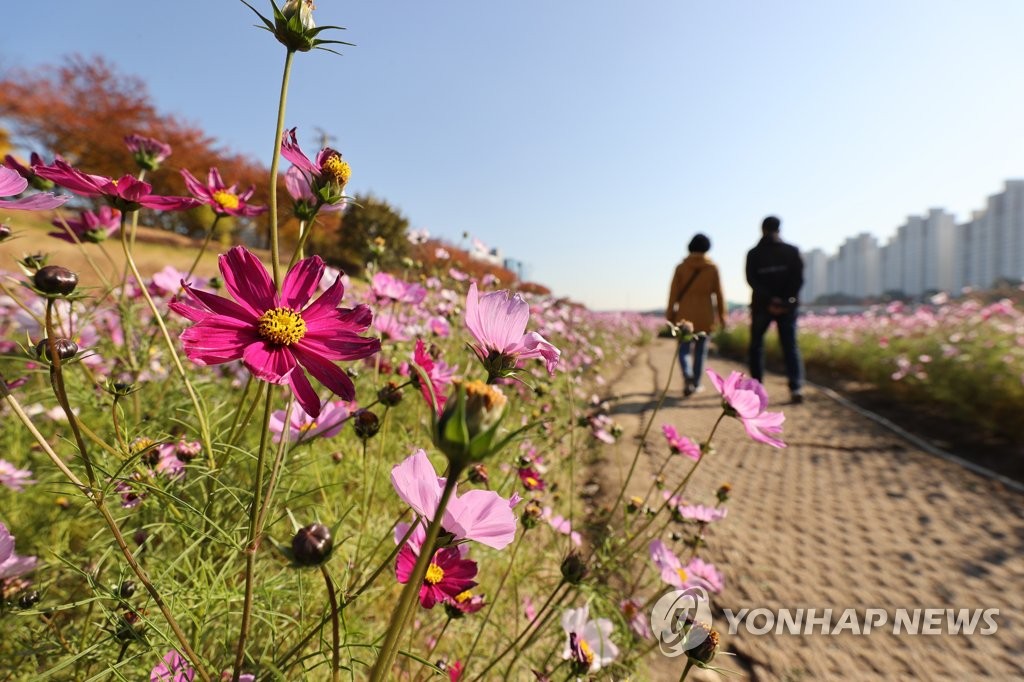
x=848 y=516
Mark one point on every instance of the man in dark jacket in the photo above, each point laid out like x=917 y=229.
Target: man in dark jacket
x=775 y=271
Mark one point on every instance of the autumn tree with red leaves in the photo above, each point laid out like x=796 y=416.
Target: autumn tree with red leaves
x=83 y=108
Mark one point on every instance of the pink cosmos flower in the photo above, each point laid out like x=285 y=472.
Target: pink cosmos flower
x=301 y=426
x=448 y=574
x=386 y=287
x=588 y=642
x=464 y=604
x=26 y=171
x=172 y=668
x=498 y=323
x=14 y=478
x=128 y=193
x=703 y=570
x=437 y=371
x=701 y=513
x=680 y=445
x=633 y=612
x=224 y=200
x=746 y=399
x=12 y=183
x=561 y=525
x=531 y=478
x=90 y=227
x=149 y=152
x=12 y=565
x=480 y=515
x=306 y=203
x=277 y=335
x=326 y=176
x=672 y=571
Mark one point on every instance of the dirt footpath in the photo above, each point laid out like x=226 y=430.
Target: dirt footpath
x=848 y=516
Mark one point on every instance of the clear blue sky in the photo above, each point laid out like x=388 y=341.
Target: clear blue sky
x=592 y=139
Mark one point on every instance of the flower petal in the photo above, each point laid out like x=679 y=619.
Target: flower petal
x=247 y=280
x=301 y=281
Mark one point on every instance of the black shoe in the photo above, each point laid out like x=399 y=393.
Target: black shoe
x=689 y=389
x=796 y=398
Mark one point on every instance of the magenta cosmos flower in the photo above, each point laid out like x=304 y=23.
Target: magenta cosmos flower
x=680 y=445
x=127 y=193
x=387 y=288
x=223 y=199
x=172 y=668
x=480 y=515
x=326 y=176
x=278 y=335
x=436 y=370
x=149 y=153
x=11 y=183
x=448 y=574
x=498 y=323
x=746 y=399
x=90 y=227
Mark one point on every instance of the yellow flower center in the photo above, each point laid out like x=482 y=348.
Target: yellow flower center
x=463 y=596
x=435 y=574
x=532 y=482
x=337 y=169
x=682 y=575
x=282 y=325
x=226 y=199
x=586 y=651
x=308 y=427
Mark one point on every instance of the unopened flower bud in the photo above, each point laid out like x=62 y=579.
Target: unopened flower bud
x=312 y=545
x=5 y=232
x=478 y=474
x=28 y=599
x=466 y=430
x=304 y=8
x=634 y=504
x=390 y=395
x=532 y=514
x=66 y=349
x=574 y=570
x=723 y=492
x=55 y=280
x=704 y=641
x=126 y=589
x=366 y=424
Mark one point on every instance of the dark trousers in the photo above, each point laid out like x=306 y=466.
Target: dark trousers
x=760 y=320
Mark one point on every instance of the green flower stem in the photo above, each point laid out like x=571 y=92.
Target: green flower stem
x=275 y=255
x=275 y=469
x=238 y=408
x=301 y=246
x=686 y=670
x=537 y=630
x=535 y=621
x=253 y=404
x=494 y=599
x=437 y=639
x=679 y=489
x=643 y=440
x=386 y=657
x=202 y=249
x=252 y=540
x=81 y=247
x=204 y=426
x=349 y=599
x=96 y=496
x=332 y=596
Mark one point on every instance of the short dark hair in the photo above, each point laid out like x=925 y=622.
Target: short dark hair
x=699 y=244
x=771 y=224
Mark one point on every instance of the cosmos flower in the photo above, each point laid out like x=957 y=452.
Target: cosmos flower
x=277 y=336
x=127 y=193
x=11 y=183
x=14 y=478
x=746 y=399
x=301 y=426
x=680 y=445
x=90 y=227
x=172 y=668
x=448 y=575
x=437 y=371
x=11 y=564
x=224 y=200
x=326 y=176
x=498 y=323
x=672 y=571
x=588 y=642
x=480 y=515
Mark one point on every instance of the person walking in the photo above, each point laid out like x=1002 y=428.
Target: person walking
x=775 y=272
x=696 y=297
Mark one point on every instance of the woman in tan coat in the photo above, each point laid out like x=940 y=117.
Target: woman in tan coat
x=696 y=297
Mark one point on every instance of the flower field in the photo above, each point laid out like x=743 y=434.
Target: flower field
x=282 y=472
x=963 y=358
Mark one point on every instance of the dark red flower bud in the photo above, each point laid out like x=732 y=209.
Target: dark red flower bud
x=366 y=424
x=312 y=545
x=55 y=280
x=66 y=349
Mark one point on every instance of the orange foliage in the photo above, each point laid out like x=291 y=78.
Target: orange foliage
x=83 y=109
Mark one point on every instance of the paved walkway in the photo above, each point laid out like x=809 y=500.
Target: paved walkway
x=848 y=516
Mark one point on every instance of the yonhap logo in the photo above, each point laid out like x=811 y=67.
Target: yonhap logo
x=673 y=616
